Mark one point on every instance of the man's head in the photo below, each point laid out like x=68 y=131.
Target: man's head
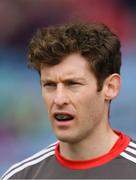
x=95 y=42
x=79 y=68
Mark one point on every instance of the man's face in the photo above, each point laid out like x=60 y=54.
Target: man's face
x=74 y=106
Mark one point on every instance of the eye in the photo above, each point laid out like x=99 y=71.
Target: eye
x=49 y=84
x=72 y=83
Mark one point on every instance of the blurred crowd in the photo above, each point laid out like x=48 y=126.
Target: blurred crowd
x=24 y=126
x=20 y=18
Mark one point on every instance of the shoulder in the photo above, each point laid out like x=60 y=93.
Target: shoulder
x=130 y=152
x=34 y=159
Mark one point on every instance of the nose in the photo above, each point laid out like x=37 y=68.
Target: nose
x=61 y=96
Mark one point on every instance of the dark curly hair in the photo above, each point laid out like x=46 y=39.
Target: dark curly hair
x=94 y=41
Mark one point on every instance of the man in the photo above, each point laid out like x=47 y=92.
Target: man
x=79 y=67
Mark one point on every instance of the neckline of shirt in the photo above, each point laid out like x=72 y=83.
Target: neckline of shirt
x=120 y=145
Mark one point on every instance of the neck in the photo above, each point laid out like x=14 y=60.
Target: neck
x=100 y=143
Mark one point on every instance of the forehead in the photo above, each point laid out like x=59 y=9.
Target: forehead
x=73 y=65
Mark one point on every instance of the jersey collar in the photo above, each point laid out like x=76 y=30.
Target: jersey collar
x=118 y=147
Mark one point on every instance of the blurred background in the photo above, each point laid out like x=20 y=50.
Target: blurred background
x=24 y=126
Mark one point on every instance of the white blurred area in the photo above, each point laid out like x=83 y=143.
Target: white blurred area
x=24 y=124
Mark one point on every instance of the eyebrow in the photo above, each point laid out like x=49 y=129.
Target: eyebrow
x=46 y=81
x=65 y=80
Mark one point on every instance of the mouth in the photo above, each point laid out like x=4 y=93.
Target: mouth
x=63 y=117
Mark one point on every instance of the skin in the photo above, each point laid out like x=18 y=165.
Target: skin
x=70 y=87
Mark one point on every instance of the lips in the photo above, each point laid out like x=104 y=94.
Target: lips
x=61 y=116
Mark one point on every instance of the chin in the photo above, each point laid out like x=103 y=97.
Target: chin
x=68 y=139
x=64 y=139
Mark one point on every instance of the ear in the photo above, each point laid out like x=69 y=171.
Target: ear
x=112 y=86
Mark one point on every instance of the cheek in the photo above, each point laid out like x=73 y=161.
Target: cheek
x=82 y=104
x=48 y=104
x=88 y=104
x=85 y=99
x=47 y=99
